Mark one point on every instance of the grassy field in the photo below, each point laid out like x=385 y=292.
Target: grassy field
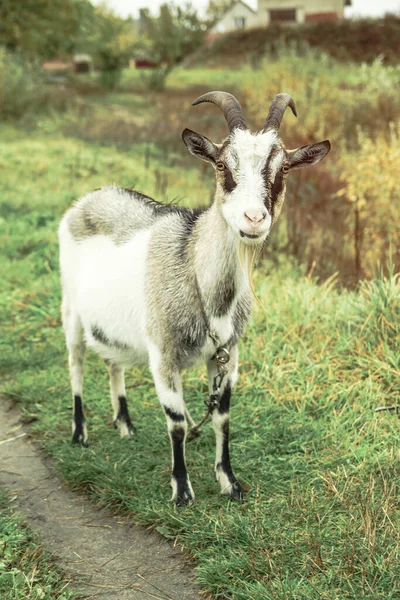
x=26 y=569
x=321 y=516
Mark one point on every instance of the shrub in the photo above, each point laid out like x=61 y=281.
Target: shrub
x=347 y=40
x=373 y=196
x=22 y=90
x=156 y=79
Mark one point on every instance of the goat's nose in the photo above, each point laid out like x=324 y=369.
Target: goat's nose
x=255 y=216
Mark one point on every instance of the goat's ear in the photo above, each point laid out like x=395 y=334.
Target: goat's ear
x=308 y=155
x=199 y=145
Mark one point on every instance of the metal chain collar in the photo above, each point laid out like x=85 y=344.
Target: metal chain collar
x=221 y=357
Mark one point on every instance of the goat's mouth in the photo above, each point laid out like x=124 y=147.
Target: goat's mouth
x=252 y=236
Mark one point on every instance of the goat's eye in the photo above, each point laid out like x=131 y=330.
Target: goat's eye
x=220 y=166
x=285 y=168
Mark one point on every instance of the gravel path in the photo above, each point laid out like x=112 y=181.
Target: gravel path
x=103 y=557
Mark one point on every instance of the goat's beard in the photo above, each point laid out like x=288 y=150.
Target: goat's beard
x=247 y=255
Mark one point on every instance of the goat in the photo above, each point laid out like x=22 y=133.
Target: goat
x=145 y=282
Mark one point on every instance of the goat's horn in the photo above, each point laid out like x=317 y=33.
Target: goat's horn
x=230 y=107
x=277 y=110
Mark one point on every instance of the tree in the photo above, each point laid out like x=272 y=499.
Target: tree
x=216 y=9
x=43 y=28
x=110 y=42
x=174 y=33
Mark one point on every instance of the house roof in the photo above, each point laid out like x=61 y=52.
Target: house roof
x=228 y=8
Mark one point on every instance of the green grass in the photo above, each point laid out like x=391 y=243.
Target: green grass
x=321 y=516
x=26 y=569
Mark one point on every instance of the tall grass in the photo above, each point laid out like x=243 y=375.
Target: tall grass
x=341 y=215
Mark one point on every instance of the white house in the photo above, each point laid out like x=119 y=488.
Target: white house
x=300 y=11
x=241 y=16
x=237 y=16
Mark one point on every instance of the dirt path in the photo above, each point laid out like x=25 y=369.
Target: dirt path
x=103 y=557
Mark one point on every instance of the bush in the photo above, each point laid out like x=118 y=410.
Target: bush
x=332 y=101
x=348 y=40
x=373 y=196
x=22 y=90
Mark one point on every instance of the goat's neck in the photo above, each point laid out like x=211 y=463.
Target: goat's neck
x=216 y=256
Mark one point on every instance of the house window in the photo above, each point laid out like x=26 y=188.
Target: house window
x=286 y=15
x=240 y=22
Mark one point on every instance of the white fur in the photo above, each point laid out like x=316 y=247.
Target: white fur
x=246 y=160
x=105 y=284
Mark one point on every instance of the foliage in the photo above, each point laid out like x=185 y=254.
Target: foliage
x=176 y=32
x=216 y=8
x=26 y=570
x=22 y=90
x=44 y=28
x=156 y=79
x=111 y=42
x=360 y=40
x=373 y=191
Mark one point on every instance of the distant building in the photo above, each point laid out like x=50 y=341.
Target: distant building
x=300 y=11
x=56 y=65
x=82 y=63
x=237 y=16
x=241 y=16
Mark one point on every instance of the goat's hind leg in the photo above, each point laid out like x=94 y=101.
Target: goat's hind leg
x=118 y=400
x=76 y=353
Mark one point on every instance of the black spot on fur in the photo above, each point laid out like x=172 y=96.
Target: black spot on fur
x=174 y=416
x=228 y=182
x=225 y=465
x=225 y=399
x=178 y=440
x=161 y=208
x=240 y=318
x=266 y=173
x=79 y=420
x=171 y=383
x=123 y=414
x=192 y=335
x=90 y=226
x=224 y=296
x=188 y=223
x=179 y=471
x=276 y=189
x=101 y=337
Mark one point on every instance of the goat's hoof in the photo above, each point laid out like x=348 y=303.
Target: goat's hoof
x=182 y=492
x=184 y=501
x=236 y=493
x=130 y=435
x=128 y=430
x=79 y=439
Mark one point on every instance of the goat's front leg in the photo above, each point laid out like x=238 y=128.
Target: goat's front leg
x=223 y=470
x=168 y=384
